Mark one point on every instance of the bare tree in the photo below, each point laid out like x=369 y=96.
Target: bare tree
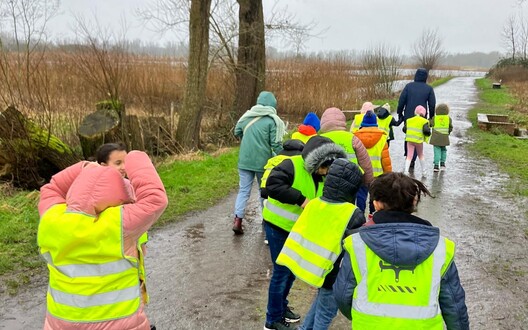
x=510 y=34
x=189 y=122
x=428 y=50
x=381 y=64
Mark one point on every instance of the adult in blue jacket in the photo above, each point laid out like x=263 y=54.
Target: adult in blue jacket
x=414 y=94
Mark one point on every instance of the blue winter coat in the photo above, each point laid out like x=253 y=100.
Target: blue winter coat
x=414 y=94
x=403 y=239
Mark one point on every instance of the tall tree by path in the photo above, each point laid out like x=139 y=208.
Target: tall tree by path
x=251 y=58
x=188 y=131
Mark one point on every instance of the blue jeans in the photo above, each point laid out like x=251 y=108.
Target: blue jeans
x=281 y=279
x=322 y=312
x=245 y=183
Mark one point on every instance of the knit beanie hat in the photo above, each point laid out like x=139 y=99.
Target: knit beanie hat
x=420 y=110
x=386 y=106
x=267 y=99
x=333 y=119
x=369 y=120
x=366 y=107
x=311 y=119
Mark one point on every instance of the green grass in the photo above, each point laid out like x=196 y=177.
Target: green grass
x=509 y=153
x=191 y=185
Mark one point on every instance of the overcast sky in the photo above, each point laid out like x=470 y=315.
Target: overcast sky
x=464 y=25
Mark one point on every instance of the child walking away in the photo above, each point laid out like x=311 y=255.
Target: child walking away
x=416 y=129
x=386 y=121
x=308 y=128
x=356 y=123
x=313 y=249
x=399 y=272
x=441 y=125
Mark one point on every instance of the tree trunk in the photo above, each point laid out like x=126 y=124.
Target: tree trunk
x=102 y=126
x=251 y=62
x=189 y=122
x=30 y=155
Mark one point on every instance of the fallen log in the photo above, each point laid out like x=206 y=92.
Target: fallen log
x=31 y=155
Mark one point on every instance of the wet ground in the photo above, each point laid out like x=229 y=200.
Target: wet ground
x=202 y=277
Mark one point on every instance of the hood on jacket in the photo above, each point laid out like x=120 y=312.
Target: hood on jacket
x=401 y=243
x=367 y=106
x=333 y=119
x=267 y=99
x=382 y=112
x=442 y=109
x=318 y=150
x=369 y=136
x=421 y=75
x=342 y=181
x=311 y=119
x=292 y=147
x=96 y=189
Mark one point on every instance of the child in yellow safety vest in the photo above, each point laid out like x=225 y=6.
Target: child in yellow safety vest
x=313 y=248
x=375 y=141
x=416 y=130
x=398 y=272
x=441 y=125
x=309 y=127
x=356 y=123
x=386 y=121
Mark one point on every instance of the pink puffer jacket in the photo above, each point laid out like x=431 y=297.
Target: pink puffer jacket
x=90 y=188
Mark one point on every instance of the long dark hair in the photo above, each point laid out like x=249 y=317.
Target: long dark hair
x=398 y=191
x=103 y=152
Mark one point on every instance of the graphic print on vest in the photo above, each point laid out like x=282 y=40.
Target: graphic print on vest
x=393 y=287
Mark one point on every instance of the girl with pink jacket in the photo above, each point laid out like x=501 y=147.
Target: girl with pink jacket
x=88 y=234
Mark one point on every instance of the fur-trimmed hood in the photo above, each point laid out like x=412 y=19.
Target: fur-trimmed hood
x=318 y=150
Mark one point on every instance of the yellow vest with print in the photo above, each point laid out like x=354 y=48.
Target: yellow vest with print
x=415 y=129
x=343 y=139
x=384 y=124
x=314 y=243
x=272 y=162
x=284 y=215
x=356 y=123
x=441 y=124
x=90 y=277
x=391 y=297
x=375 y=156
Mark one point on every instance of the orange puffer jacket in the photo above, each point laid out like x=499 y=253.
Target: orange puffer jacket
x=370 y=136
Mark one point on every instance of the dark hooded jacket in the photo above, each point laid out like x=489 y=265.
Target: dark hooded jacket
x=414 y=94
x=341 y=185
x=383 y=113
x=403 y=239
x=317 y=151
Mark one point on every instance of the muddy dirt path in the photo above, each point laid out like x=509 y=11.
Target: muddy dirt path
x=200 y=276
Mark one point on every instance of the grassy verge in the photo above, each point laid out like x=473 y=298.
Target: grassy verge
x=509 y=153
x=192 y=184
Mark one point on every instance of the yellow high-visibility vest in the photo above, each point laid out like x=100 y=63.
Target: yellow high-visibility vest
x=284 y=215
x=415 y=129
x=343 y=139
x=272 y=162
x=375 y=156
x=314 y=243
x=90 y=277
x=390 y=297
x=356 y=123
x=441 y=124
x=384 y=124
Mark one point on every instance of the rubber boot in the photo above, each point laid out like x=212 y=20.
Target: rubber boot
x=407 y=165
x=424 y=169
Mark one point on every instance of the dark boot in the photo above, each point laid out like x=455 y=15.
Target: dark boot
x=237 y=226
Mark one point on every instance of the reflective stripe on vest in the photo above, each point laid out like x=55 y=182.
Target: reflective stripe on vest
x=314 y=242
x=343 y=139
x=356 y=123
x=441 y=124
x=408 y=300
x=384 y=124
x=284 y=215
x=375 y=156
x=272 y=162
x=415 y=129
x=90 y=279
